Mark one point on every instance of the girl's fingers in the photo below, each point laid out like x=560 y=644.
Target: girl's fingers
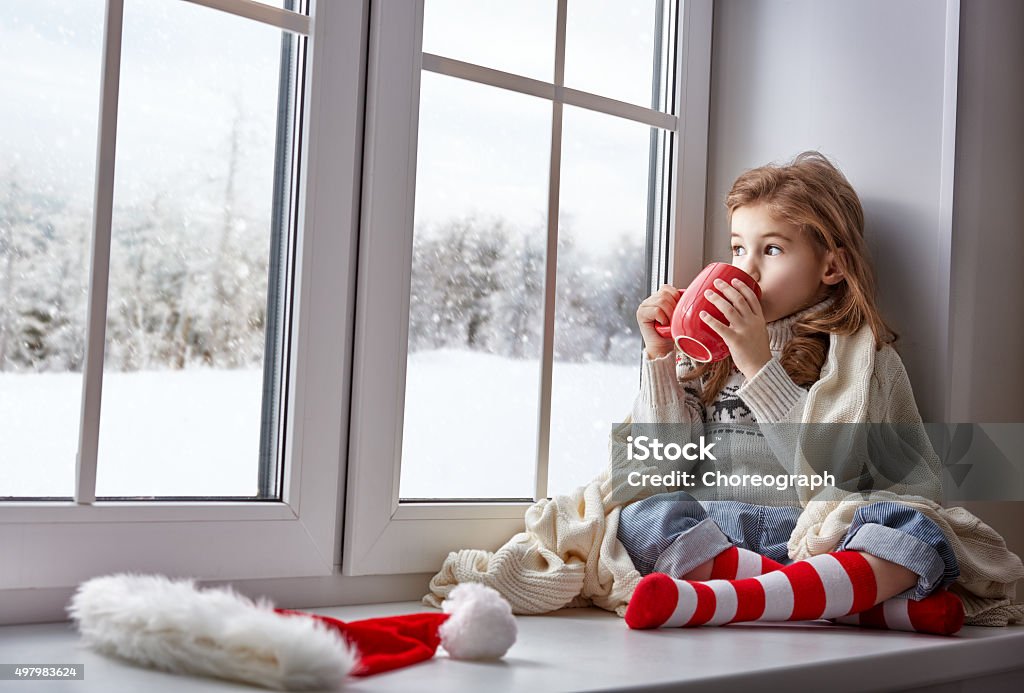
x=737 y=299
x=748 y=293
x=723 y=304
x=667 y=304
x=655 y=313
x=664 y=298
x=661 y=303
x=715 y=324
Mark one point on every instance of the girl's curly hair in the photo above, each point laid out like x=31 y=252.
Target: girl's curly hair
x=813 y=195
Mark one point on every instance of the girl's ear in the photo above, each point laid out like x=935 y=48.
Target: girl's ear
x=834 y=267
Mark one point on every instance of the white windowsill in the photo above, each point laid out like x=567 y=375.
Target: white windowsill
x=589 y=649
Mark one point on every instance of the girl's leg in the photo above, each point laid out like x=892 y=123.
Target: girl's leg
x=908 y=540
x=827 y=586
x=941 y=612
x=675 y=534
x=733 y=563
x=895 y=535
x=670 y=533
x=890 y=579
x=737 y=563
x=701 y=572
x=762 y=533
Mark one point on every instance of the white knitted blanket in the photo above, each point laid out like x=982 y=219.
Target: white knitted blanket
x=988 y=570
x=569 y=555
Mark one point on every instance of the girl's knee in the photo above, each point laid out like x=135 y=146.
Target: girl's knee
x=646 y=527
x=898 y=516
x=906 y=537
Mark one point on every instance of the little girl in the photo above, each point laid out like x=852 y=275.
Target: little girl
x=798 y=231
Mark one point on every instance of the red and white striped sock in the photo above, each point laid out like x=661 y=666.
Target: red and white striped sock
x=941 y=613
x=736 y=563
x=826 y=586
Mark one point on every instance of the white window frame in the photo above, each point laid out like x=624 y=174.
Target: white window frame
x=48 y=548
x=383 y=535
x=345 y=358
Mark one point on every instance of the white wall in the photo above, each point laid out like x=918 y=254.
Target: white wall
x=987 y=383
x=869 y=83
x=863 y=83
x=988 y=238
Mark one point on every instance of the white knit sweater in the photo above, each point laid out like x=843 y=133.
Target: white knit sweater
x=755 y=423
x=569 y=555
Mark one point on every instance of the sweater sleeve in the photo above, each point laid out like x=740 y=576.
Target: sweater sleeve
x=772 y=395
x=662 y=397
x=664 y=409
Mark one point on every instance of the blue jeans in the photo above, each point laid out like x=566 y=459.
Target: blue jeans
x=673 y=533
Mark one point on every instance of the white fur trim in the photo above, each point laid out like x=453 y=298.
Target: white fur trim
x=170 y=625
x=480 y=625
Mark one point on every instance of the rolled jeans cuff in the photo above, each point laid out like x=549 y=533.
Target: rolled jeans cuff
x=694 y=547
x=903 y=549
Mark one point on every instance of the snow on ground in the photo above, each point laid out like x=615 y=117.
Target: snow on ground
x=471 y=423
x=470 y=429
x=162 y=433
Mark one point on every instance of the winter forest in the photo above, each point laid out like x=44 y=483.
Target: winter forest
x=192 y=237
x=189 y=288
x=185 y=289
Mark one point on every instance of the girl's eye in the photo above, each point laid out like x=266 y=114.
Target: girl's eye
x=768 y=250
x=736 y=249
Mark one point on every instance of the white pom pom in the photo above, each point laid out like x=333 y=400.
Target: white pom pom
x=481 y=625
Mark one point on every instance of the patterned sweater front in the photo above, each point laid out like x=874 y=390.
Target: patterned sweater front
x=732 y=420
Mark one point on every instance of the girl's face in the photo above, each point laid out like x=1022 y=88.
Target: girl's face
x=793 y=273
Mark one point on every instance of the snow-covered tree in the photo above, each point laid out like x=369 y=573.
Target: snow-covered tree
x=517 y=326
x=41 y=279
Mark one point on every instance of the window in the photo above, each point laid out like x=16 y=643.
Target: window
x=183 y=255
x=343 y=193
x=49 y=113
x=190 y=328
x=192 y=261
x=522 y=194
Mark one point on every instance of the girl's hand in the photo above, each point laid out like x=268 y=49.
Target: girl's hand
x=746 y=335
x=657 y=308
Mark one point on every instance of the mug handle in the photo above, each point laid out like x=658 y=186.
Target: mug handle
x=663 y=330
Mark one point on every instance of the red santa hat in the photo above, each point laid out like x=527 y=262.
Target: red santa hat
x=171 y=625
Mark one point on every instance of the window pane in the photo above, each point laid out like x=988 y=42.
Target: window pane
x=602 y=276
x=517 y=37
x=473 y=370
x=610 y=49
x=187 y=308
x=49 y=100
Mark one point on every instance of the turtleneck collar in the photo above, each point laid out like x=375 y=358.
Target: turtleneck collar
x=781 y=331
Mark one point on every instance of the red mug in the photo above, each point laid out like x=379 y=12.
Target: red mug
x=692 y=335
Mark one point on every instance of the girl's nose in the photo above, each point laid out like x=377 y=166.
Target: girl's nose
x=749 y=267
